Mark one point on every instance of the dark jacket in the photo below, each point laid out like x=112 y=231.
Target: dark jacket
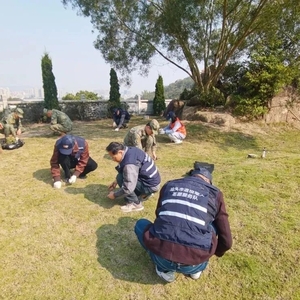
x=80 y=152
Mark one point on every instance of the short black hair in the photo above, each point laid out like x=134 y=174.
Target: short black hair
x=115 y=147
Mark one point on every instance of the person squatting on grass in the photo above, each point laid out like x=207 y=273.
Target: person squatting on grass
x=121 y=118
x=137 y=177
x=60 y=122
x=11 y=124
x=191 y=225
x=71 y=152
x=176 y=131
x=143 y=137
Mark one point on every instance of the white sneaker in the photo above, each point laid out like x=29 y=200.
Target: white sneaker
x=129 y=207
x=167 y=276
x=178 y=142
x=196 y=275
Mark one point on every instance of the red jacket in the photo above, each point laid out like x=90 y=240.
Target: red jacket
x=82 y=162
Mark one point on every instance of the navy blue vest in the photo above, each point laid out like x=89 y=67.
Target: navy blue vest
x=148 y=172
x=188 y=208
x=81 y=145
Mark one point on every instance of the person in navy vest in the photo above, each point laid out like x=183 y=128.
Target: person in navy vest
x=138 y=176
x=191 y=225
x=71 y=152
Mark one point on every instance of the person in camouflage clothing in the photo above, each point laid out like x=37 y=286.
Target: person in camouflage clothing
x=60 y=122
x=143 y=137
x=11 y=124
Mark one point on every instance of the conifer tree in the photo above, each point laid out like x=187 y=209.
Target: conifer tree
x=159 y=104
x=49 y=86
x=114 y=93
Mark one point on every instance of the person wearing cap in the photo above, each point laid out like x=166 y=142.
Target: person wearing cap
x=71 y=152
x=176 y=131
x=138 y=176
x=143 y=137
x=11 y=124
x=121 y=118
x=191 y=226
x=60 y=122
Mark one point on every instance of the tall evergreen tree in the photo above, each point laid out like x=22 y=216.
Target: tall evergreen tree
x=49 y=86
x=114 y=93
x=159 y=104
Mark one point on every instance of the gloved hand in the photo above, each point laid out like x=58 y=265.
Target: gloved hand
x=161 y=131
x=57 y=184
x=117 y=129
x=72 y=179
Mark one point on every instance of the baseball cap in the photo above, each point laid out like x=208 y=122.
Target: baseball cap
x=66 y=144
x=170 y=115
x=204 y=172
x=154 y=126
x=19 y=112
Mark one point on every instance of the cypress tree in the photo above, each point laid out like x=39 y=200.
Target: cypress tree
x=159 y=104
x=49 y=86
x=114 y=93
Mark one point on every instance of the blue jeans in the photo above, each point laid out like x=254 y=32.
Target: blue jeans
x=163 y=264
x=140 y=189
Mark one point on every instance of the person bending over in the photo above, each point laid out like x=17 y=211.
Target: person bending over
x=138 y=176
x=176 y=131
x=71 y=152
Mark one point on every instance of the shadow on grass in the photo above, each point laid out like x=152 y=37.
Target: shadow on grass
x=43 y=175
x=96 y=193
x=122 y=255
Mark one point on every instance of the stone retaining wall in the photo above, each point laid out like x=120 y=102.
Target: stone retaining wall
x=86 y=110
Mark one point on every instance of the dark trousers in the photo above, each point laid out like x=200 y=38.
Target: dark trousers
x=69 y=162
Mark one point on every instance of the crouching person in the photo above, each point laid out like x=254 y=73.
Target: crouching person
x=176 y=131
x=71 y=152
x=191 y=225
x=138 y=176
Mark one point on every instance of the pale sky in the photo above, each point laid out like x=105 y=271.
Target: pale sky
x=28 y=28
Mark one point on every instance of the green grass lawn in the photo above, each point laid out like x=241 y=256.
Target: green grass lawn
x=75 y=243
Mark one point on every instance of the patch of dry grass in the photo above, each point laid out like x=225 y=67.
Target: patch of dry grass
x=74 y=243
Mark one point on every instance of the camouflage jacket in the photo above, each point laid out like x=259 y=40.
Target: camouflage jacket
x=137 y=137
x=59 y=117
x=11 y=120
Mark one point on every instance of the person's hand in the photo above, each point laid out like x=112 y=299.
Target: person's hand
x=19 y=131
x=161 y=131
x=112 y=186
x=154 y=156
x=117 y=129
x=114 y=124
x=1 y=126
x=111 y=196
x=57 y=184
x=72 y=179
